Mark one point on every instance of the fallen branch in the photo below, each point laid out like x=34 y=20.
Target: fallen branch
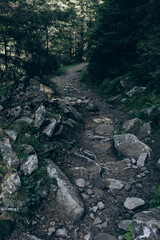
x=50 y=150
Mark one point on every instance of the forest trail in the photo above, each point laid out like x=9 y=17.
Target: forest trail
x=103 y=178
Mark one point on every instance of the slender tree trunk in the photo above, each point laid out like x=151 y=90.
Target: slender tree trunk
x=47 y=41
x=5 y=54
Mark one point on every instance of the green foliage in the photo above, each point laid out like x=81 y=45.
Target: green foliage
x=155 y=202
x=140 y=101
x=33 y=185
x=128 y=234
x=5 y=87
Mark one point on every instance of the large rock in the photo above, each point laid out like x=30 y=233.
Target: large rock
x=9 y=157
x=146 y=225
x=67 y=197
x=11 y=184
x=30 y=165
x=35 y=97
x=134 y=90
x=39 y=116
x=12 y=134
x=50 y=128
x=72 y=112
x=129 y=146
x=133 y=203
x=104 y=236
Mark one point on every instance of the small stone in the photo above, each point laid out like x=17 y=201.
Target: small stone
x=101 y=205
x=61 y=233
x=104 y=225
x=127 y=187
x=141 y=160
x=114 y=184
x=51 y=230
x=133 y=203
x=39 y=116
x=158 y=164
x=92 y=216
x=85 y=196
x=87 y=237
x=81 y=183
x=94 y=209
x=52 y=223
x=138 y=176
x=133 y=160
x=142 y=174
x=89 y=191
x=97 y=221
x=50 y=128
x=124 y=224
x=104 y=236
x=121 y=237
x=139 y=185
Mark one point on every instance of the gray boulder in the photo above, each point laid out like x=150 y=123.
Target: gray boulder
x=72 y=112
x=11 y=184
x=129 y=146
x=25 y=119
x=146 y=225
x=30 y=165
x=67 y=197
x=9 y=157
x=133 y=203
x=48 y=131
x=12 y=134
x=134 y=90
x=39 y=116
x=35 y=97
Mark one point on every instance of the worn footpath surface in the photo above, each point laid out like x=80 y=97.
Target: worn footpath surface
x=103 y=177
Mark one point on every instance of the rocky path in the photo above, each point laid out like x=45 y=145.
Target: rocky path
x=101 y=170
x=112 y=186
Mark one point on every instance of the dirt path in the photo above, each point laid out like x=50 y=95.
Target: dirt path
x=108 y=179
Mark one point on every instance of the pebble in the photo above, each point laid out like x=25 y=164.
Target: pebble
x=104 y=225
x=91 y=216
x=61 y=233
x=94 y=209
x=97 y=221
x=133 y=160
x=89 y=191
x=87 y=237
x=51 y=230
x=101 y=205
